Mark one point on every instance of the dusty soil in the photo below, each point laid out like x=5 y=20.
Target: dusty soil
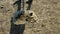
x=48 y=12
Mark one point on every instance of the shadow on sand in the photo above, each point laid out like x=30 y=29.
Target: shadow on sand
x=17 y=29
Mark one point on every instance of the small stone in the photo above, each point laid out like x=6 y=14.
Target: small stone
x=43 y=25
x=1 y=7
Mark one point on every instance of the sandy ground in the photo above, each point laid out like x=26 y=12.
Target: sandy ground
x=48 y=12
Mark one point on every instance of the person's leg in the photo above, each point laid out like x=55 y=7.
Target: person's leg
x=29 y=2
x=16 y=15
x=13 y=20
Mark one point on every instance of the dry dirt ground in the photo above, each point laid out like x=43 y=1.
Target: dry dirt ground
x=48 y=12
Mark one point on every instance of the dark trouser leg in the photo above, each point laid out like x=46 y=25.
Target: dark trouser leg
x=29 y=2
x=16 y=15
